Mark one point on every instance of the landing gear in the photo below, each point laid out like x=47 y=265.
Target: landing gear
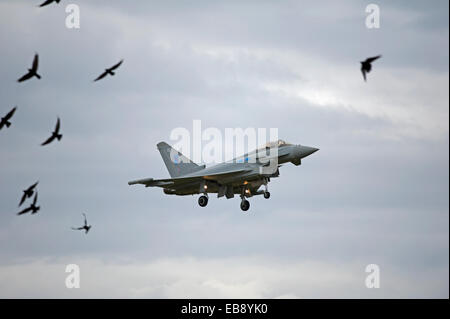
x=203 y=201
x=245 y=205
x=266 y=189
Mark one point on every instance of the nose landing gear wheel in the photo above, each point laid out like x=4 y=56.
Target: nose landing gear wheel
x=203 y=201
x=266 y=195
x=245 y=205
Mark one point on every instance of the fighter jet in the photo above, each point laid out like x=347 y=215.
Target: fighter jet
x=33 y=71
x=86 y=227
x=33 y=208
x=243 y=175
x=5 y=120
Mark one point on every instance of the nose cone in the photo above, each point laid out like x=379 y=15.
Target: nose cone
x=306 y=150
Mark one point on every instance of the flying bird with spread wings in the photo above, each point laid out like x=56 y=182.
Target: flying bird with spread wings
x=32 y=208
x=33 y=71
x=48 y=2
x=27 y=193
x=5 y=120
x=109 y=71
x=366 y=66
x=86 y=227
x=55 y=134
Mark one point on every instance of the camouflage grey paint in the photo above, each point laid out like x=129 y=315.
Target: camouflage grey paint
x=238 y=176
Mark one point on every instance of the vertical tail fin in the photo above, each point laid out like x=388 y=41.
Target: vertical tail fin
x=177 y=164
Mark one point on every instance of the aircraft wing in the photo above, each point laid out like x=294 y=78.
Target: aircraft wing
x=170 y=182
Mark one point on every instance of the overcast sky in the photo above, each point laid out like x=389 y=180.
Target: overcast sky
x=375 y=193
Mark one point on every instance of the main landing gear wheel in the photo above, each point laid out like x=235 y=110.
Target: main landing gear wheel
x=266 y=195
x=245 y=205
x=203 y=201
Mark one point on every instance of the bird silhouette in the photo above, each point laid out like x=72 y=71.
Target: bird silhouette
x=86 y=227
x=55 y=134
x=28 y=193
x=48 y=2
x=109 y=71
x=366 y=65
x=5 y=120
x=33 y=208
x=33 y=71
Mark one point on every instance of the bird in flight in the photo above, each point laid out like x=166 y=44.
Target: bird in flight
x=5 y=120
x=366 y=65
x=86 y=227
x=28 y=193
x=55 y=134
x=33 y=71
x=48 y=2
x=33 y=208
x=109 y=71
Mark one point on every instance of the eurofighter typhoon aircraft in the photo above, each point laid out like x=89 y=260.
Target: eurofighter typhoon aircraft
x=242 y=175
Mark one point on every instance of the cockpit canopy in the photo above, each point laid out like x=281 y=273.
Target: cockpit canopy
x=260 y=152
x=278 y=143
